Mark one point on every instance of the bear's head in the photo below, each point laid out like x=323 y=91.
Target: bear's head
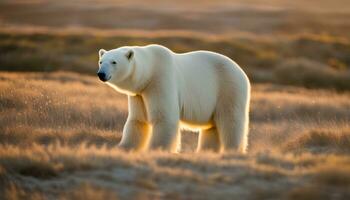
x=115 y=65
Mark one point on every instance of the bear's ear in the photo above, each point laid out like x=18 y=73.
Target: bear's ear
x=130 y=54
x=101 y=52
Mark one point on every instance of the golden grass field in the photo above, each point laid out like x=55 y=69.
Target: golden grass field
x=61 y=132
x=60 y=126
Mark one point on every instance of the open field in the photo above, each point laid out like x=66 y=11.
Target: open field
x=59 y=132
x=59 y=125
x=312 y=61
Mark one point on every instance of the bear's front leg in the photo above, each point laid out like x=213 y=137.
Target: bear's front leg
x=164 y=135
x=163 y=115
x=135 y=135
x=136 y=130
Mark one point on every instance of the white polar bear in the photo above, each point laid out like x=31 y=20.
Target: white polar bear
x=199 y=90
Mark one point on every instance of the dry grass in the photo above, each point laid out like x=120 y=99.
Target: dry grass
x=57 y=169
x=331 y=140
x=303 y=72
x=284 y=60
x=59 y=134
x=59 y=127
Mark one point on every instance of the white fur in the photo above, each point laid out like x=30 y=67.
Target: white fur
x=199 y=90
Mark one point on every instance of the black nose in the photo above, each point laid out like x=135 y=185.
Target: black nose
x=102 y=76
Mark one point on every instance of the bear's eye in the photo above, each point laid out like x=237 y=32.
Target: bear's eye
x=100 y=62
x=113 y=62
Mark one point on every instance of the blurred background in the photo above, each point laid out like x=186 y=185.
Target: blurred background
x=286 y=42
x=60 y=125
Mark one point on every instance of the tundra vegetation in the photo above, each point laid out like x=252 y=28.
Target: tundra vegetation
x=59 y=125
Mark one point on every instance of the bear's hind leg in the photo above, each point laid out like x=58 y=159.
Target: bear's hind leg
x=233 y=131
x=208 y=140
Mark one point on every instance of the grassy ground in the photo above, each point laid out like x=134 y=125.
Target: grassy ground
x=59 y=132
x=291 y=61
x=59 y=125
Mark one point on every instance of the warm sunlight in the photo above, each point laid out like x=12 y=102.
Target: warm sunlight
x=60 y=126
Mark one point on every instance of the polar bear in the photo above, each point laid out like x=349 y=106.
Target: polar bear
x=199 y=90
